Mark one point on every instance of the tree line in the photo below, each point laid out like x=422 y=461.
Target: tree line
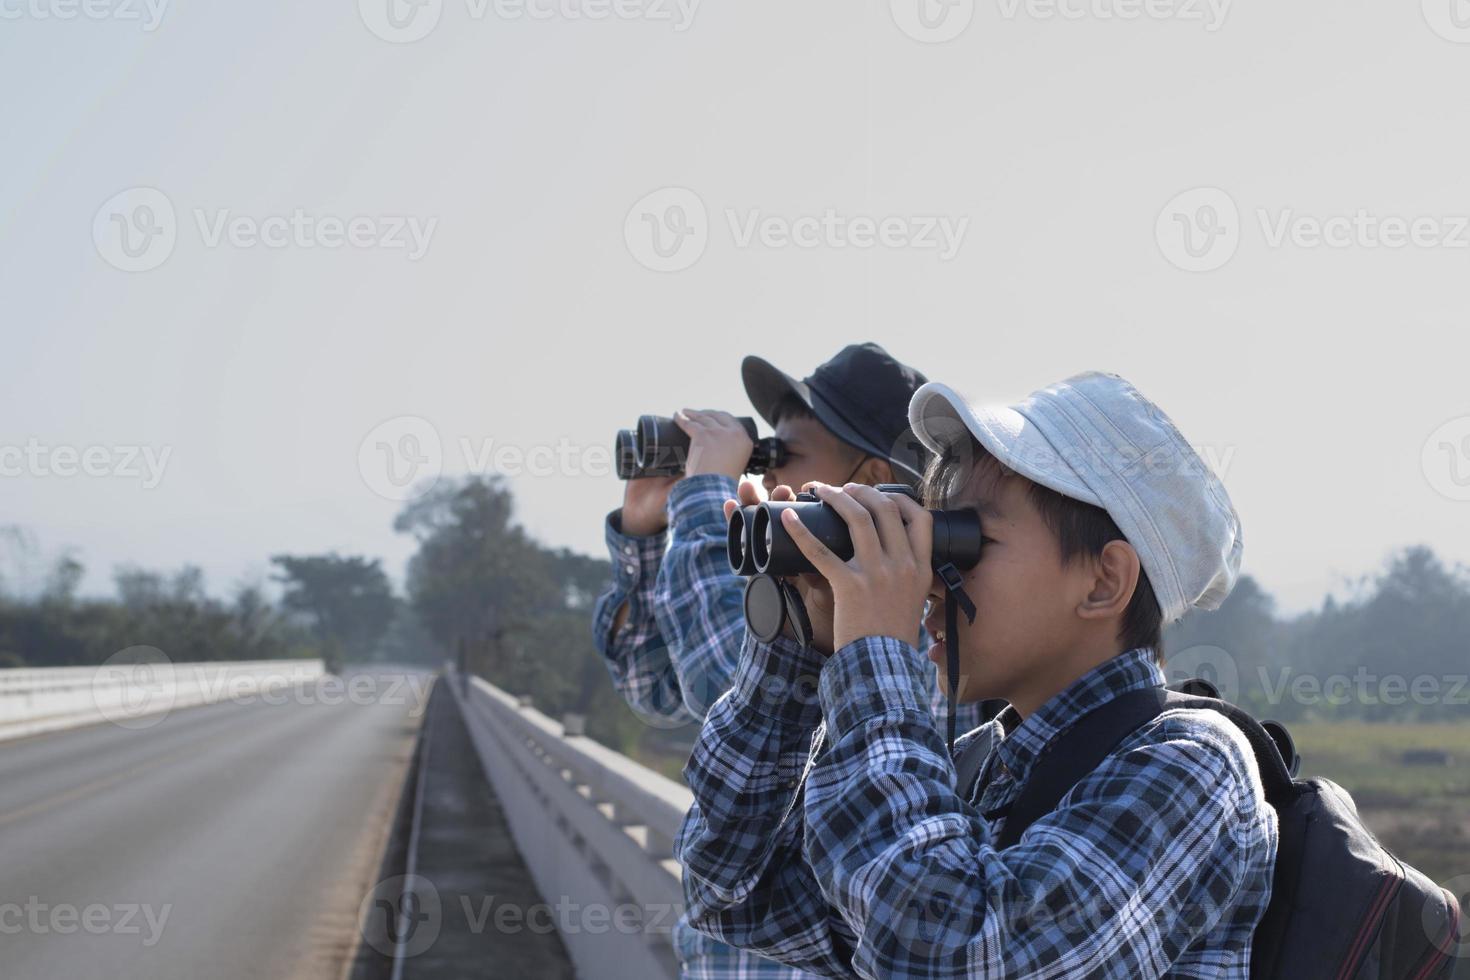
x=521 y=612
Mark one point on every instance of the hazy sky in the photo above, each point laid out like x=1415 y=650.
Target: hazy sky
x=235 y=239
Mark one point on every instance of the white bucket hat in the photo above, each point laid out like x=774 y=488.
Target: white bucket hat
x=1094 y=438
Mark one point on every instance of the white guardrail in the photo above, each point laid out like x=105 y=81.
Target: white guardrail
x=45 y=699
x=594 y=827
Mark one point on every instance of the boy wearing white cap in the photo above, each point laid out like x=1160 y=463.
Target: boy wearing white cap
x=1101 y=524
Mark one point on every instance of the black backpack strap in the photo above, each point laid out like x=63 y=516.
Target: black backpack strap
x=1081 y=748
x=1076 y=752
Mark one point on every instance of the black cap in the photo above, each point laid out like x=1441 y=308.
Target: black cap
x=861 y=395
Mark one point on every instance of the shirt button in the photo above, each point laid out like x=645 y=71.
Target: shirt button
x=631 y=569
x=627 y=549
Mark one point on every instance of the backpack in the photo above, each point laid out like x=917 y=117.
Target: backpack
x=1342 y=907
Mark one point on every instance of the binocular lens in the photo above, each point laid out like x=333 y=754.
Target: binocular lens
x=737 y=541
x=658 y=447
x=625 y=452
x=956 y=535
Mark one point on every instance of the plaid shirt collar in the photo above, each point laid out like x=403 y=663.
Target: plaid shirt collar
x=1027 y=739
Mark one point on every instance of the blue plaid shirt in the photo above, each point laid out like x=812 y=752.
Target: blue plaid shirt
x=679 y=646
x=1157 y=864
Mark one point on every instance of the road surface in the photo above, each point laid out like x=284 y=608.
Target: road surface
x=227 y=841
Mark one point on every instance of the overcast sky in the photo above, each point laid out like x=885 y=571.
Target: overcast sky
x=245 y=246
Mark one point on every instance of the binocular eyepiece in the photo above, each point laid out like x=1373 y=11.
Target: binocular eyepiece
x=658 y=447
x=758 y=543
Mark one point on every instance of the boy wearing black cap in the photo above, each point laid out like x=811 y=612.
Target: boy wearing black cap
x=1101 y=524
x=671 y=625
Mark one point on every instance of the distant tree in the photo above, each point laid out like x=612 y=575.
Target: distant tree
x=475 y=573
x=346 y=599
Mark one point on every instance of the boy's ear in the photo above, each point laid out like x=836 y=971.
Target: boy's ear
x=1115 y=576
x=874 y=471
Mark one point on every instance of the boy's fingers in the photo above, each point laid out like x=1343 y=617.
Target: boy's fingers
x=730 y=506
x=920 y=527
x=782 y=493
x=821 y=557
x=865 y=544
x=887 y=518
x=684 y=421
x=748 y=495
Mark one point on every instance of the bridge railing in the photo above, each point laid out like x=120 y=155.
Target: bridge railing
x=42 y=699
x=595 y=828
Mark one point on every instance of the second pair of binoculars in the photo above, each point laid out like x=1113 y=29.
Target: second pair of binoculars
x=658 y=447
x=759 y=544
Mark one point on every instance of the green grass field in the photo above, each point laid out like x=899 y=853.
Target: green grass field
x=1421 y=813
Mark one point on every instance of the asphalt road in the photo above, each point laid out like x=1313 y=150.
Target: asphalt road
x=225 y=841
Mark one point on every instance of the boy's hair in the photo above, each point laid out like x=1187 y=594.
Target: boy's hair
x=1081 y=530
x=791 y=407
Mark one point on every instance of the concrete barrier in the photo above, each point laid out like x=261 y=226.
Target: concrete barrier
x=594 y=827
x=45 y=699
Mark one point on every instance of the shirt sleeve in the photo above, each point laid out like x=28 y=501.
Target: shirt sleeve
x=636 y=655
x=698 y=600
x=746 y=881
x=1147 y=849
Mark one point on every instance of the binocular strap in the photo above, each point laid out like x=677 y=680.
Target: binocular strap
x=955 y=600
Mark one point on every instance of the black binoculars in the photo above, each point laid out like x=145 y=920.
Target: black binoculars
x=757 y=542
x=658 y=447
x=759 y=546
